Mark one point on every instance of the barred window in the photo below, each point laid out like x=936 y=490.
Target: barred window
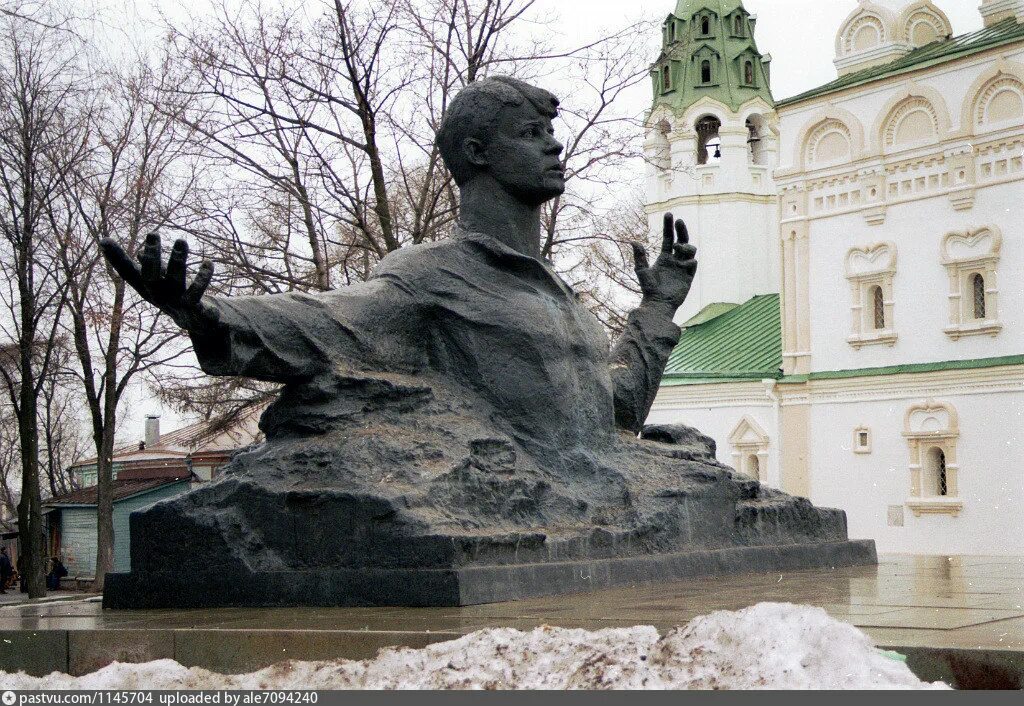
x=978 y=286
x=879 y=304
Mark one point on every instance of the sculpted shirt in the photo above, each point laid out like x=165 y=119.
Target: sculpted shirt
x=470 y=310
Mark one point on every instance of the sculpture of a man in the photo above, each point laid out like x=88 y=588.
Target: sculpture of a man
x=455 y=429
x=482 y=308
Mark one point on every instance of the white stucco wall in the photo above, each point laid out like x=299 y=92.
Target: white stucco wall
x=991 y=476
x=921 y=283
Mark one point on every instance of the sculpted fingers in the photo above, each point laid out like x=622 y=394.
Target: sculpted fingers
x=639 y=257
x=199 y=284
x=176 y=267
x=122 y=264
x=149 y=258
x=684 y=252
x=666 y=235
x=682 y=235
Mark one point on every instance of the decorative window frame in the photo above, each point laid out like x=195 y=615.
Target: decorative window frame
x=741 y=60
x=866 y=268
x=749 y=439
x=926 y=425
x=698 y=22
x=708 y=54
x=965 y=254
x=858 y=447
x=735 y=18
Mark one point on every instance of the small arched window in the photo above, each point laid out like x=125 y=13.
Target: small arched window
x=937 y=480
x=739 y=25
x=754 y=467
x=666 y=79
x=748 y=73
x=671 y=31
x=705 y=26
x=705 y=71
x=978 y=287
x=878 y=303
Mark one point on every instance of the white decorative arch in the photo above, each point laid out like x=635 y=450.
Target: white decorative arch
x=828 y=143
x=831 y=116
x=1001 y=76
x=912 y=116
x=922 y=23
x=1000 y=101
x=866 y=28
x=750 y=448
x=705 y=106
x=913 y=120
x=932 y=429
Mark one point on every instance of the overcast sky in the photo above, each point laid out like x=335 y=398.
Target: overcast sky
x=799 y=34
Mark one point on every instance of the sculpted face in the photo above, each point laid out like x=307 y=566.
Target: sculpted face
x=523 y=155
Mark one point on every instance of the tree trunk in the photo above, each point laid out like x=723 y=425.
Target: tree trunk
x=104 y=426
x=30 y=509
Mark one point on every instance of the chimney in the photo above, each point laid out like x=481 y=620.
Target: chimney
x=152 y=430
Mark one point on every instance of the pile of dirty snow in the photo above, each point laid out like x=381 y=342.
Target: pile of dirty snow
x=767 y=646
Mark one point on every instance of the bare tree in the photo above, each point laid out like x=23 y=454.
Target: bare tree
x=40 y=141
x=137 y=176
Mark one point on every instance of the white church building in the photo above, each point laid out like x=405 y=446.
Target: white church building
x=855 y=333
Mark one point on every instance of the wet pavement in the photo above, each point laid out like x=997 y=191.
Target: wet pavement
x=953 y=605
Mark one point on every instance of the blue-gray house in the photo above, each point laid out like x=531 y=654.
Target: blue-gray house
x=158 y=468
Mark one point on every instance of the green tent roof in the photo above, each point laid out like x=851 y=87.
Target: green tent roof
x=1005 y=32
x=685 y=9
x=744 y=343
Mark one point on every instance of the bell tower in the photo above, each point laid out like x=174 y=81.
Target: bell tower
x=711 y=145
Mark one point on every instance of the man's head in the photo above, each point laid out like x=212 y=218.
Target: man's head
x=502 y=127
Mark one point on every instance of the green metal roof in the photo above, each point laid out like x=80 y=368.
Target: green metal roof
x=744 y=343
x=685 y=9
x=685 y=49
x=912 y=368
x=711 y=311
x=1005 y=32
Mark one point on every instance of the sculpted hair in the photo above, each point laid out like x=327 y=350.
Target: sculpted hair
x=474 y=112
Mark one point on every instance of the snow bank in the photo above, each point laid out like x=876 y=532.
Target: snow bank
x=766 y=646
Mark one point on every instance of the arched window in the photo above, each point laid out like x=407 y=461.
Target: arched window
x=666 y=78
x=748 y=73
x=978 y=287
x=753 y=467
x=705 y=26
x=937 y=482
x=707 y=137
x=705 y=71
x=671 y=31
x=739 y=25
x=878 y=302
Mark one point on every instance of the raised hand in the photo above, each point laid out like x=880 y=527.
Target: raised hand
x=164 y=286
x=669 y=280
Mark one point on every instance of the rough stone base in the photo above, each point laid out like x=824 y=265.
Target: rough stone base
x=470 y=585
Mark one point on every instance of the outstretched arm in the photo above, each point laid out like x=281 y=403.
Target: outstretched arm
x=639 y=357
x=278 y=338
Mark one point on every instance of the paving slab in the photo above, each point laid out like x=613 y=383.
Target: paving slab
x=950 y=615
